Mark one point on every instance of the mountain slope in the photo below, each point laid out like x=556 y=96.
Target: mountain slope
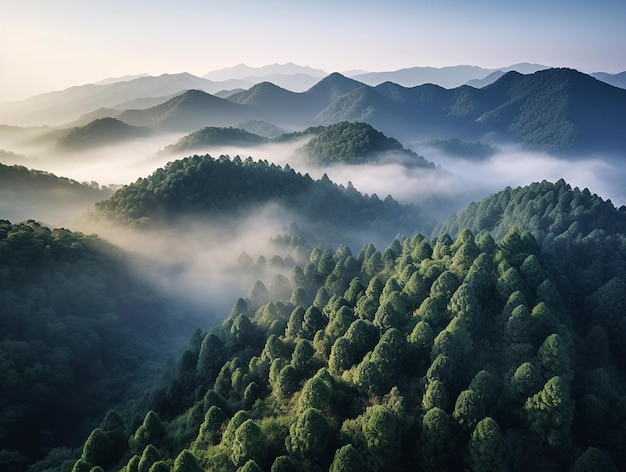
x=444 y=354
x=26 y=194
x=203 y=187
x=80 y=333
x=214 y=136
x=59 y=107
x=582 y=234
x=357 y=143
x=274 y=103
x=192 y=110
x=102 y=131
x=617 y=80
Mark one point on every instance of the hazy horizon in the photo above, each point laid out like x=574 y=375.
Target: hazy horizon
x=46 y=46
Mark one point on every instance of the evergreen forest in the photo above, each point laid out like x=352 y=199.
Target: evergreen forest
x=234 y=313
x=494 y=339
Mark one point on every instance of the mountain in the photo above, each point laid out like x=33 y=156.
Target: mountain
x=447 y=77
x=292 y=110
x=367 y=105
x=329 y=89
x=125 y=78
x=357 y=143
x=617 y=80
x=98 y=114
x=456 y=147
x=293 y=82
x=489 y=79
x=63 y=106
x=523 y=68
x=463 y=353
x=555 y=110
x=275 y=104
x=214 y=136
x=224 y=188
x=191 y=110
x=560 y=110
x=100 y=132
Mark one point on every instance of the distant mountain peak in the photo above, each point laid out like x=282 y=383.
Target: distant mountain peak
x=242 y=71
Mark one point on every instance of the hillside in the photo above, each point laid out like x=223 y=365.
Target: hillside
x=27 y=193
x=583 y=235
x=357 y=143
x=56 y=108
x=80 y=333
x=616 y=80
x=204 y=187
x=215 y=136
x=192 y=110
x=391 y=360
x=100 y=132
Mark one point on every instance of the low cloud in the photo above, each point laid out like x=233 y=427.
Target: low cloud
x=197 y=261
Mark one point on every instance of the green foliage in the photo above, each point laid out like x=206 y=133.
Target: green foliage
x=202 y=185
x=549 y=412
x=469 y=355
x=74 y=334
x=250 y=466
x=186 y=462
x=151 y=431
x=98 y=448
x=469 y=409
x=149 y=456
x=347 y=459
x=486 y=447
x=211 y=429
x=247 y=444
x=309 y=435
x=355 y=143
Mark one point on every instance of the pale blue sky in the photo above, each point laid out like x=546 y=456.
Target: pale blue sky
x=52 y=44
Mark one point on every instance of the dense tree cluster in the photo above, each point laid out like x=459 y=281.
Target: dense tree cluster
x=581 y=235
x=355 y=143
x=204 y=186
x=19 y=177
x=76 y=337
x=443 y=354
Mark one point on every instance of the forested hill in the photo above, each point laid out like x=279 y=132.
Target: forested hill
x=28 y=193
x=215 y=136
x=582 y=234
x=202 y=186
x=80 y=334
x=446 y=354
x=357 y=143
x=103 y=131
